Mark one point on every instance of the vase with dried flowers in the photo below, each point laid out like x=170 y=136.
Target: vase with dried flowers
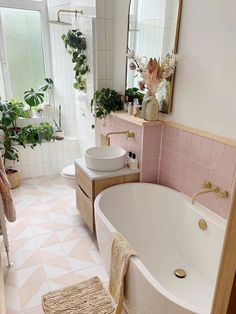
x=152 y=73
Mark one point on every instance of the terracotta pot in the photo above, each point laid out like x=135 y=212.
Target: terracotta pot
x=13 y=178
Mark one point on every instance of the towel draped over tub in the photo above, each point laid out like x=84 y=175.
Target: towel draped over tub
x=120 y=257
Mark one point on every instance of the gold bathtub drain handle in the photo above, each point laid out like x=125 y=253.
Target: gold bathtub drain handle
x=180 y=273
x=202 y=224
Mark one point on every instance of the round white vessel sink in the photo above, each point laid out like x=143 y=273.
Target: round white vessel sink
x=105 y=158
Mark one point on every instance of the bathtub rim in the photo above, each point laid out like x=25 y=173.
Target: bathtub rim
x=202 y=210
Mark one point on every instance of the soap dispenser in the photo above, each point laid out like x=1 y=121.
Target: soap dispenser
x=133 y=164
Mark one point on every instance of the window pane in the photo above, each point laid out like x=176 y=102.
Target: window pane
x=2 y=91
x=24 y=50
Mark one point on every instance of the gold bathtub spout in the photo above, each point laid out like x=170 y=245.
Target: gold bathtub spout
x=209 y=190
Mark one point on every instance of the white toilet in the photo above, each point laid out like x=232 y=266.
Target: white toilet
x=69 y=174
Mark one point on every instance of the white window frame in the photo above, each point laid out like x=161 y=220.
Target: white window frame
x=40 y=6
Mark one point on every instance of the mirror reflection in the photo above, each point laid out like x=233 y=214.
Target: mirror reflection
x=153 y=33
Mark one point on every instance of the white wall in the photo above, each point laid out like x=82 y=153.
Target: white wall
x=76 y=113
x=104 y=43
x=205 y=84
x=121 y=9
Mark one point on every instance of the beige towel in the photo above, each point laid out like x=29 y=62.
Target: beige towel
x=5 y=190
x=120 y=256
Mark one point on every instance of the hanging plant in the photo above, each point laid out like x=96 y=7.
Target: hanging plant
x=75 y=45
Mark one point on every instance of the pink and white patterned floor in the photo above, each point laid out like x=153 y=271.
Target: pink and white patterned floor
x=50 y=245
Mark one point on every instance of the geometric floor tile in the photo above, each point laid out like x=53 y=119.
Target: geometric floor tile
x=50 y=245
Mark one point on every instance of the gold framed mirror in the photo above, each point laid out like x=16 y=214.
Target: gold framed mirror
x=153 y=32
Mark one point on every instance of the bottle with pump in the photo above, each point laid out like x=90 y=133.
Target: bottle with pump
x=133 y=164
x=129 y=156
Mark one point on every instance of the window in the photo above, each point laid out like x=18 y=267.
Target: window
x=24 y=54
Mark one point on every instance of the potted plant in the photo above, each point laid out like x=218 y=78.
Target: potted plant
x=133 y=93
x=33 y=99
x=48 y=109
x=58 y=133
x=104 y=102
x=11 y=135
x=75 y=44
x=10 y=110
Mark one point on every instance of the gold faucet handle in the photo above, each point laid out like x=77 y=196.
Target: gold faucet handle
x=206 y=184
x=223 y=194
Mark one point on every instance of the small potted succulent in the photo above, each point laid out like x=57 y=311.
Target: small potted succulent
x=58 y=133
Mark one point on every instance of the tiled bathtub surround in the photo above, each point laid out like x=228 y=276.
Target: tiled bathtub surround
x=188 y=159
x=178 y=159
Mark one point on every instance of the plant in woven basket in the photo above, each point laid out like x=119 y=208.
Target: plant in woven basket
x=75 y=44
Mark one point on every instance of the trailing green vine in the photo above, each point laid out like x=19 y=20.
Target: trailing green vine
x=75 y=44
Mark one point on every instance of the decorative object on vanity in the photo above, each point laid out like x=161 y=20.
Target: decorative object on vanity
x=152 y=73
x=153 y=30
x=48 y=108
x=104 y=102
x=75 y=44
x=59 y=133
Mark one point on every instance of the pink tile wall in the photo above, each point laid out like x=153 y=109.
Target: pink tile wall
x=146 y=144
x=151 y=144
x=113 y=124
x=188 y=159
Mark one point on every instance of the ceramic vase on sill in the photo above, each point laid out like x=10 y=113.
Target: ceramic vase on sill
x=150 y=107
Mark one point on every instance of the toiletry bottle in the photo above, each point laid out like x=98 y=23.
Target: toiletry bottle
x=126 y=103
x=129 y=156
x=133 y=162
x=136 y=108
x=130 y=109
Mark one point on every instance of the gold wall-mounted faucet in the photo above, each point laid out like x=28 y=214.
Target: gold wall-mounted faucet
x=105 y=139
x=208 y=188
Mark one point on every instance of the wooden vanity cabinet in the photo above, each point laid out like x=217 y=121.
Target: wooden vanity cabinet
x=87 y=188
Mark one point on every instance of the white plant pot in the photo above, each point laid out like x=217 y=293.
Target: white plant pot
x=48 y=111
x=59 y=135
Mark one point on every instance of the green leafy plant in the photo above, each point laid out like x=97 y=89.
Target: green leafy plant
x=47 y=87
x=35 y=135
x=10 y=111
x=104 y=102
x=75 y=44
x=33 y=98
x=133 y=93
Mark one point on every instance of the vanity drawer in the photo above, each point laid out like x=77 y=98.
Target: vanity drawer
x=103 y=184
x=84 y=181
x=85 y=207
x=135 y=177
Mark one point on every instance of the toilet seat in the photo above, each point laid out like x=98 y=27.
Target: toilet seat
x=69 y=172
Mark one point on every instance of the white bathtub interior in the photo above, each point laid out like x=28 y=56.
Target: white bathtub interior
x=162 y=226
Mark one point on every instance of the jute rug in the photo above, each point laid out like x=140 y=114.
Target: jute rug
x=87 y=297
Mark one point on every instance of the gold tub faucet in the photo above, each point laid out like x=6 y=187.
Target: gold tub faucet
x=208 y=188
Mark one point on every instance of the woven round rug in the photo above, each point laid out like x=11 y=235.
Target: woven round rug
x=87 y=297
